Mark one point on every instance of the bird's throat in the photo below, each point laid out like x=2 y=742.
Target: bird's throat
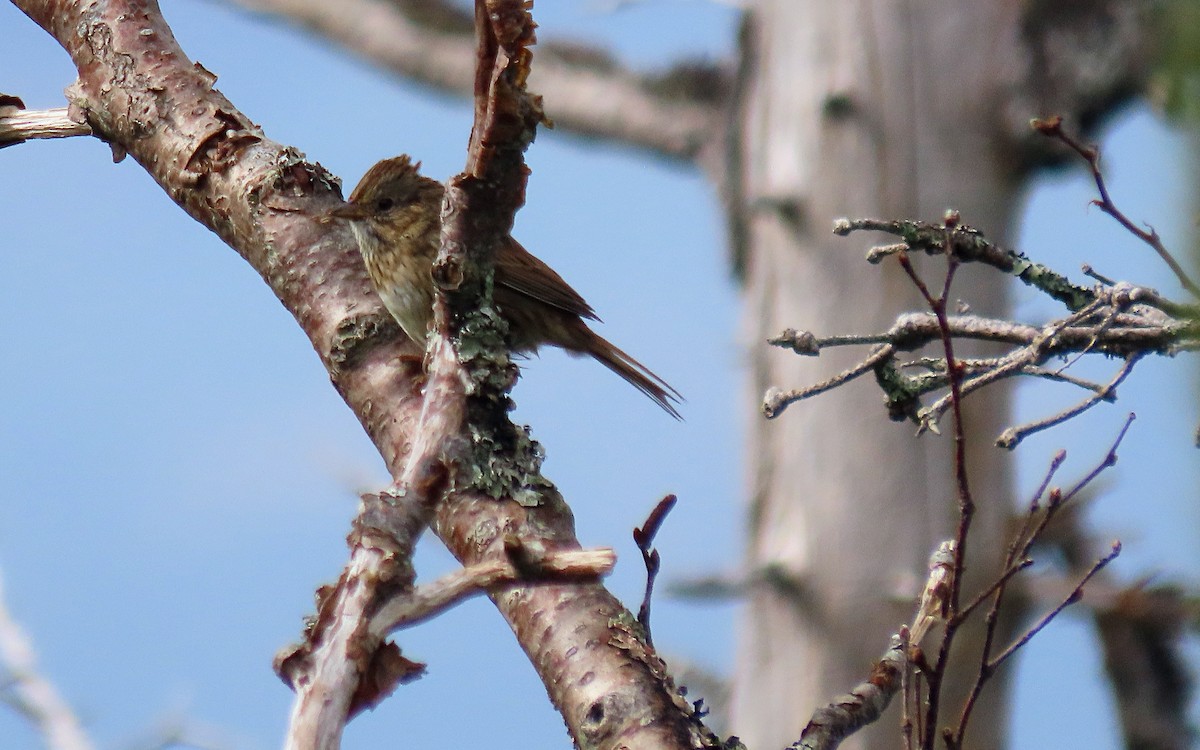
x=395 y=268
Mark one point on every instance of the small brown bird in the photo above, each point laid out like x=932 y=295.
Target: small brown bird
x=395 y=214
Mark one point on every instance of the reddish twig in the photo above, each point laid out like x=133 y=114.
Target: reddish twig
x=643 y=536
x=1140 y=629
x=1071 y=598
x=995 y=586
x=1110 y=459
x=1016 y=559
x=1052 y=127
x=966 y=504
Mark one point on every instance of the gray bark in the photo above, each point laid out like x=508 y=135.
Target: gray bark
x=897 y=109
x=858 y=109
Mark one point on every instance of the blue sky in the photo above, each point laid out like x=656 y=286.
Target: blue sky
x=176 y=474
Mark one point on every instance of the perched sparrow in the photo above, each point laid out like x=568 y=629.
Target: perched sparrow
x=395 y=214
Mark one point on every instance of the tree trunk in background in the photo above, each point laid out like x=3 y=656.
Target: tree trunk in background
x=883 y=109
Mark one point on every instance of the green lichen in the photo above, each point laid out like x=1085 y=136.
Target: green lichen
x=508 y=466
x=970 y=245
x=903 y=392
x=504 y=461
x=625 y=621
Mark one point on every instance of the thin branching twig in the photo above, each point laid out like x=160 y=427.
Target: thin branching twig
x=948 y=598
x=1100 y=312
x=1110 y=318
x=1034 y=524
x=1052 y=127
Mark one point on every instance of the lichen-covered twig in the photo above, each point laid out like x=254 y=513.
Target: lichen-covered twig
x=967 y=245
x=1111 y=319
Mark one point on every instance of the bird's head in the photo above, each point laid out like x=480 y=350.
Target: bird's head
x=391 y=186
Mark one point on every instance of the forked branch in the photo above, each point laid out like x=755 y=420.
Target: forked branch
x=1113 y=319
x=1109 y=319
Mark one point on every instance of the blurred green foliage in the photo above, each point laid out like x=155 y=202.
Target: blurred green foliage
x=1176 y=85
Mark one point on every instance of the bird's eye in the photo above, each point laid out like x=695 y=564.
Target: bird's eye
x=385 y=204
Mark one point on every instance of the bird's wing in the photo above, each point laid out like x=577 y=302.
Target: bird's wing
x=519 y=270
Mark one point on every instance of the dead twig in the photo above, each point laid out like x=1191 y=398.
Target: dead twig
x=865 y=702
x=430 y=600
x=1011 y=437
x=18 y=124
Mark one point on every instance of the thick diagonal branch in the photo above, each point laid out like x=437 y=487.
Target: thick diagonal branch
x=139 y=91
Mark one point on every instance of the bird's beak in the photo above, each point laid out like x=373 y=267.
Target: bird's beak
x=351 y=211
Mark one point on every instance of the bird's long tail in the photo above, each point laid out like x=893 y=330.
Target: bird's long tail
x=633 y=372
